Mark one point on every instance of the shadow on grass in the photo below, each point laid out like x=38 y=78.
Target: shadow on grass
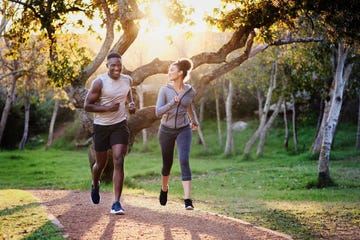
x=46 y=232
x=283 y=221
x=18 y=208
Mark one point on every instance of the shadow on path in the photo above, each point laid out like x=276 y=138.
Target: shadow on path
x=144 y=219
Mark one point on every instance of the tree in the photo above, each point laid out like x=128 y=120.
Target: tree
x=13 y=65
x=342 y=26
x=341 y=77
x=228 y=92
x=32 y=83
x=246 y=21
x=265 y=122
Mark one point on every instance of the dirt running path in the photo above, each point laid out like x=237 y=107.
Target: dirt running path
x=144 y=219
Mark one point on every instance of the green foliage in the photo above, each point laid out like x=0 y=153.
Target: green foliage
x=340 y=19
x=69 y=64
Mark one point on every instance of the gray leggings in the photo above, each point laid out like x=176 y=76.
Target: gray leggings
x=183 y=137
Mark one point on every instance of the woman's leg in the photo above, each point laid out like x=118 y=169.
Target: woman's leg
x=164 y=183
x=187 y=189
x=184 y=144
x=167 y=145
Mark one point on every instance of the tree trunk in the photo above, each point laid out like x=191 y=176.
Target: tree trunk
x=201 y=135
x=201 y=116
x=263 y=114
x=325 y=114
x=320 y=131
x=358 y=128
x=341 y=77
x=218 y=119
x=52 y=124
x=228 y=105
x=286 y=137
x=140 y=94
x=260 y=99
x=8 y=104
x=26 y=122
x=294 y=127
x=267 y=127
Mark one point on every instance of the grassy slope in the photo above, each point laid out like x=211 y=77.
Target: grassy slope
x=271 y=190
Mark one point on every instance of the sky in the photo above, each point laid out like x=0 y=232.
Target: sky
x=200 y=8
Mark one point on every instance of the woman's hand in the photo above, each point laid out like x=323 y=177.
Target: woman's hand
x=194 y=126
x=177 y=99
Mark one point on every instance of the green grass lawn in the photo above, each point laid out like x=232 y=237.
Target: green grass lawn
x=272 y=191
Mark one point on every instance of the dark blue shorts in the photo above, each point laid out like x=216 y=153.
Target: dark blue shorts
x=106 y=136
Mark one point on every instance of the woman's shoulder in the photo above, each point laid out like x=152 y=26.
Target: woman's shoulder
x=189 y=87
x=166 y=87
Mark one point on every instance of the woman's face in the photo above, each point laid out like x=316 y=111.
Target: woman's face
x=174 y=73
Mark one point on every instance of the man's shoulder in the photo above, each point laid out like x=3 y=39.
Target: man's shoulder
x=126 y=77
x=101 y=77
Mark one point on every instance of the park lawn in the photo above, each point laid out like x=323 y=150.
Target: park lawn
x=22 y=217
x=275 y=190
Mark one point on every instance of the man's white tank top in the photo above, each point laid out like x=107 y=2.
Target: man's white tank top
x=113 y=91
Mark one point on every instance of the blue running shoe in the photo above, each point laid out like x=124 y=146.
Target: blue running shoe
x=117 y=209
x=95 y=196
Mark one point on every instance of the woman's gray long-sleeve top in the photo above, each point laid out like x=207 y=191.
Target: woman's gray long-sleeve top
x=174 y=115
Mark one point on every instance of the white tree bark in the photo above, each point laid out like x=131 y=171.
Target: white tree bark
x=140 y=93
x=218 y=118
x=8 y=104
x=263 y=114
x=340 y=79
x=294 y=127
x=260 y=98
x=286 y=126
x=228 y=105
x=52 y=124
x=201 y=114
x=4 y=21
x=320 y=132
x=26 y=122
x=266 y=128
x=200 y=133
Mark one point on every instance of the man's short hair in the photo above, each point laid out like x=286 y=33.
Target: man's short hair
x=113 y=55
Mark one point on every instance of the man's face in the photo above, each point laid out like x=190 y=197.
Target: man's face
x=115 y=66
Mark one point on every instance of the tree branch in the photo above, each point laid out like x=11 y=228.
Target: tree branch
x=238 y=40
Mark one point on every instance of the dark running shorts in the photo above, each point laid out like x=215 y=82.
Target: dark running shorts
x=106 y=136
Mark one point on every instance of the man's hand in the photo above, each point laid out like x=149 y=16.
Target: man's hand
x=132 y=108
